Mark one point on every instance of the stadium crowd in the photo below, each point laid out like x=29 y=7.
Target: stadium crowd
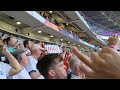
x=32 y=61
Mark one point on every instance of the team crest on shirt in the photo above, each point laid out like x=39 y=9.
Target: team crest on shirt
x=1 y=73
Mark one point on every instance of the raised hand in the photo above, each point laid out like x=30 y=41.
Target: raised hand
x=113 y=40
x=106 y=64
x=4 y=49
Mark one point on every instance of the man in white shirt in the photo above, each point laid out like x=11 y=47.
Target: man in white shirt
x=21 y=56
x=36 y=52
x=75 y=64
x=7 y=70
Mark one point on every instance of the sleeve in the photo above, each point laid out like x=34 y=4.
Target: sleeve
x=7 y=69
x=30 y=66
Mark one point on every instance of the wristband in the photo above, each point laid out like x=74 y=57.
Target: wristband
x=112 y=46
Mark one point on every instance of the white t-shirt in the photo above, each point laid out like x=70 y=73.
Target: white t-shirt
x=4 y=70
x=40 y=77
x=25 y=49
x=75 y=77
x=21 y=75
x=31 y=66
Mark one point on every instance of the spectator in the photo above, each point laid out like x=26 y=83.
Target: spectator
x=66 y=63
x=56 y=22
x=3 y=36
x=27 y=44
x=52 y=20
x=63 y=51
x=45 y=15
x=1 y=42
x=21 y=56
x=59 y=27
x=7 y=70
x=105 y=64
x=45 y=52
x=63 y=54
x=51 y=67
x=75 y=64
x=66 y=59
x=36 y=52
x=71 y=32
x=11 y=44
x=4 y=42
x=20 y=46
x=41 y=13
x=42 y=44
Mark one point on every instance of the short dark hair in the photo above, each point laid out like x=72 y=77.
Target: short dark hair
x=25 y=42
x=7 y=40
x=4 y=40
x=47 y=62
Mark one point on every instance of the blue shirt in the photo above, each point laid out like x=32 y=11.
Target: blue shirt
x=10 y=49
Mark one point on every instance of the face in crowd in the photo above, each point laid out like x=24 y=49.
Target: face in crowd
x=24 y=58
x=12 y=41
x=36 y=50
x=21 y=56
x=51 y=66
x=29 y=44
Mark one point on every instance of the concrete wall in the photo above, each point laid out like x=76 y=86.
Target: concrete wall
x=9 y=28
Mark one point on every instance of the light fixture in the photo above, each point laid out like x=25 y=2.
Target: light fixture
x=61 y=40
x=18 y=23
x=51 y=36
x=66 y=23
x=68 y=42
x=50 y=11
x=39 y=31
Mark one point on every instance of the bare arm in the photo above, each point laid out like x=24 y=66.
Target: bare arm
x=16 y=68
x=34 y=75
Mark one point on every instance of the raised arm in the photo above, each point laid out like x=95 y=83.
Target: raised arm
x=106 y=64
x=113 y=41
x=16 y=68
